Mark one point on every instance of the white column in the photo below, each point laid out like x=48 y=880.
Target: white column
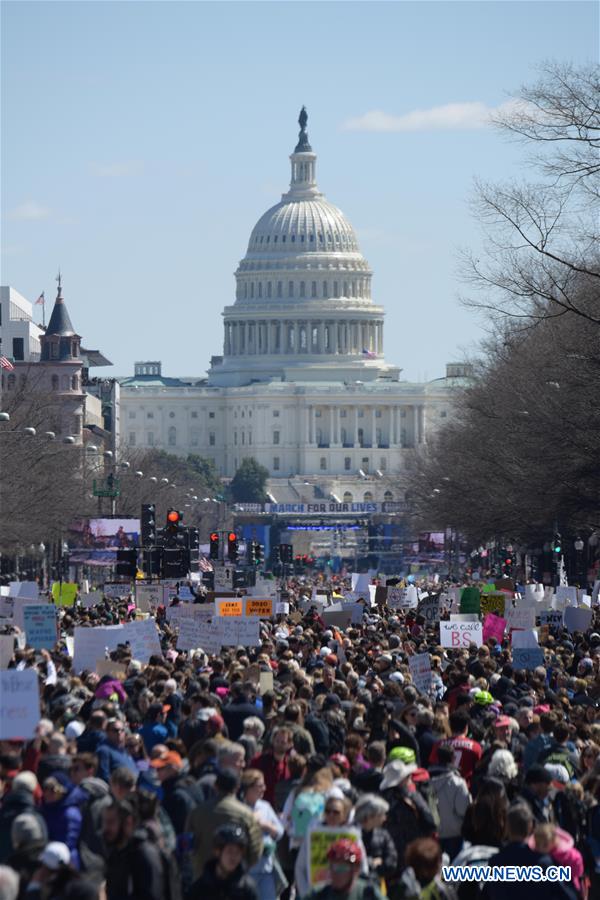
x=296 y=336
x=373 y=428
x=313 y=423
x=321 y=338
x=415 y=425
x=336 y=424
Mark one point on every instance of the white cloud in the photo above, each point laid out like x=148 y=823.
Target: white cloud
x=466 y=116
x=29 y=210
x=116 y=169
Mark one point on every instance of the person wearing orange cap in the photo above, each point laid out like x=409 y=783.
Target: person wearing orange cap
x=344 y=859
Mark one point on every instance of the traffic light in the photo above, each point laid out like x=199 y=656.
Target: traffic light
x=174 y=520
x=214 y=545
x=152 y=560
x=232 y=546
x=287 y=553
x=557 y=545
x=174 y=562
x=126 y=563
x=258 y=553
x=148 y=523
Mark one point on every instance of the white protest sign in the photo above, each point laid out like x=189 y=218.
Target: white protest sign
x=596 y=593
x=7 y=649
x=143 y=639
x=39 y=620
x=28 y=590
x=454 y=597
x=577 y=619
x=19 y=605
x=461 y=634
x=282 y=609
x=524 y=639
x=521 y=617
x=567 y=594
x=149 y=596
x=360 y=583
x=115 y=590
x=91 y=643
x=7 y=605
x=552 y=617
x=420 y=670
x=356 y=611
x=197 y=632
x=70 y=644
x=239 y=631
x=534 y=593
x=19 y=704
x=429 y=608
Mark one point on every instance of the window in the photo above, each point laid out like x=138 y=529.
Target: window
x=275 y=437
x=377 y=413
x=378 y=436
x=347 y=464
x=388 y=496
x=383 y=464
x=323 y=463
x=172 y=436
x=194 y=440
x=54 y=350
x=343 y=436
x=131 y=414
x=275 y=413
x=194 y=415
x=269 y=288
x=280 y=288
x=276 y=463
x=347 y=498
x=18 y=351
x=211 y=439
x=367 y=497
x=361 y=437
x=211 y=415
x=313 y=289
x=74 y=383
x=361 y=413
x=235 y=437
x=443 y=414
x=171 y=415
x=250 y=438
x=150 y=439
x=243 y=437
x=132 y=439
x=54 y=382
x=150 y=415
x=302 y=288
x=365 y=464
x=343 y=413
x=290 y=288
x=318 y=413
x=403 y=414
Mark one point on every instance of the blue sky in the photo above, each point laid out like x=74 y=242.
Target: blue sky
x=142 y=141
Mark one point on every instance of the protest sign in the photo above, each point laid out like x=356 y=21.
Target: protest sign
x=200 y=633
x=521 y=617
x=142 y=637
x=19 y=704
x=115 y=589
x=360 y=583
x=493 y=627
x=265 y=682
x=577 y=619
x=505 y=584
x=356 y=611
x=337 y=618
x=567 y=594
x=596 y=593
x=149 y=596
x=282 y=608
x=429 y=608
x=461 y=634
x=229 y=607
x=320 y=840
x=263 y=607
x=7 y=649
x=7 y=605
x=239 y=631
x=488 y=587
x=381 y=593
x=28 y=590
x=527 y=657
x=91 y=643
x=114 y=669
x=402 y=598
x=551 y=617
x=534 y=593
x=470 y=600
x=494 y=603
x=39 y=624
x=70 y=645
x=464 y=617
x=252 y=673
x=420 y=670
x=524 y=639
x=19 y=606
x=64 y=593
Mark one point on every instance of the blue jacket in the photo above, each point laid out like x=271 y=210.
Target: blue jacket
x=153 y=733
x=110 y=758
x=64 y=818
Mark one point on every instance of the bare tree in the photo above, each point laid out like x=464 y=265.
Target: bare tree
x=541 y=250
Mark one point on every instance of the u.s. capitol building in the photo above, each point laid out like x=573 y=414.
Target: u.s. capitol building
x=302 y=385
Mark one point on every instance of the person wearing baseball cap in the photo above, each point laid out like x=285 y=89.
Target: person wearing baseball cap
x=344 y=859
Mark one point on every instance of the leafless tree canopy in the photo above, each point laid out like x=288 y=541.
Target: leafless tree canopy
x=541 y=236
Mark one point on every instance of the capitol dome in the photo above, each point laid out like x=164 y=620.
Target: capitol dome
x=303 y=291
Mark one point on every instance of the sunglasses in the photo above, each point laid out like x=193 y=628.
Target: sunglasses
x=333 y=811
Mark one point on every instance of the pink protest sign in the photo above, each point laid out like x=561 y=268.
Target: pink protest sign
x=493 y=627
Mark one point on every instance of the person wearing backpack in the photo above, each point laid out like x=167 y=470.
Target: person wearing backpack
x=409 y=816
x=453 y=799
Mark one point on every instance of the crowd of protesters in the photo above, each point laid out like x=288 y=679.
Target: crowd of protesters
x=180 y=779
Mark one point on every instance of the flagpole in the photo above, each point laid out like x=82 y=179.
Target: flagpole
x=44 y=313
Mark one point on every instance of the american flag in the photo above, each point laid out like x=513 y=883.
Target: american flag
x=40 y=300
x=369 y=353
x=5 y=363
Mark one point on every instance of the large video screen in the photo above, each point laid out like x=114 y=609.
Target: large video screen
x=95 y=541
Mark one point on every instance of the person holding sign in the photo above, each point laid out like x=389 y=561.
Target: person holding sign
x=345 y=858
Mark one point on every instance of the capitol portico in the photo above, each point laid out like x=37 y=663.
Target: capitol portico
x=302 y=384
